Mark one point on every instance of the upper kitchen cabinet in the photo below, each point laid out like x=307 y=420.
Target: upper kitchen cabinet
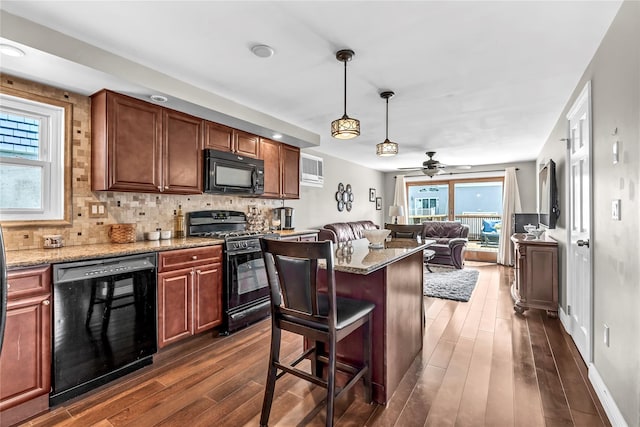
x=139 y=146
x=182 y=161
x=281 y=169
x=224 y=138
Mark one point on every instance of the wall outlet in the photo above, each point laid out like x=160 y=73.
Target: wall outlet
x=606 y=335
x=615 y=210
x=97 y=210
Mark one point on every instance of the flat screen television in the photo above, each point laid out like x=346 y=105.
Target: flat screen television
x=548 y=195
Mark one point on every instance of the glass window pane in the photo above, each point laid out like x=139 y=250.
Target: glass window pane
x=20 y=187
x=478 y=198
x=19 y=136
x=428 y=202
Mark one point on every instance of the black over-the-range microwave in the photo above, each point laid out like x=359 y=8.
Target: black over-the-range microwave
x=228 y=173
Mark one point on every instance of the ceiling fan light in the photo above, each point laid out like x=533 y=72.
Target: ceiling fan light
x=345 y=128
x=386 y=149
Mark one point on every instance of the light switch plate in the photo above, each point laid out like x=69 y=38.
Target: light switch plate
x=615 y=210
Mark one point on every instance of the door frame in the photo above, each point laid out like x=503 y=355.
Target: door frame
x=565 y=316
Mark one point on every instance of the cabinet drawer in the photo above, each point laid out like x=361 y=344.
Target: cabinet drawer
x=29 y=282
x=184 y=258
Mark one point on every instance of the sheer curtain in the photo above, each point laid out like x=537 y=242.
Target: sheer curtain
x=510 y=205
x=400 y=198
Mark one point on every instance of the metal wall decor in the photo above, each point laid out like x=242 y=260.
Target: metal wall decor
x=344 y=197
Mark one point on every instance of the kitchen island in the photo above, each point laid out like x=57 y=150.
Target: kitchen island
x=391 y=278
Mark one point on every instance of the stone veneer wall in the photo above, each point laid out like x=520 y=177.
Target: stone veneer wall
x=148 y=211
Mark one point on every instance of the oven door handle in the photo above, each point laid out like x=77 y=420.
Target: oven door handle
x=243 y=252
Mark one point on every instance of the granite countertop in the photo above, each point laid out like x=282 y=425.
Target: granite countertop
x=356 y=256
x=83 y=252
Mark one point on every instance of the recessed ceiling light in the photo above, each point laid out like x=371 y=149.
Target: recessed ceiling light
x=262 y=50
x=7 y=49
x=277 y=136
x=159 y=98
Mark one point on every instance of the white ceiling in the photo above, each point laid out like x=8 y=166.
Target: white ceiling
x=478 y=82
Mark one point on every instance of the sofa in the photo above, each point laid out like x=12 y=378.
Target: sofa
x=451 y=241
x=345 y=231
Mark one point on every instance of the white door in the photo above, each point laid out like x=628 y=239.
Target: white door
x=579 y=272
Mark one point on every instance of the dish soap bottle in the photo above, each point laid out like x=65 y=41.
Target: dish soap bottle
x=179 y=231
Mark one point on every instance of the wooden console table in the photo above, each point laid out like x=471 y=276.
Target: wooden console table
x=536 y=278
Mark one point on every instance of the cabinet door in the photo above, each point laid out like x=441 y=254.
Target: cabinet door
x=218 y=137
x=134 y=130
x=270 y=153
x=246 y=144
x=290 y=171
x=174 y=306
x=207 y=309
x=309 y=238
x=25 y=364
x=182 y=154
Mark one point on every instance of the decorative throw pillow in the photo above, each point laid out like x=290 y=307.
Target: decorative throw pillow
x=489 y=226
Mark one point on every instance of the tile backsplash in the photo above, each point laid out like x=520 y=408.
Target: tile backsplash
x=148 y=211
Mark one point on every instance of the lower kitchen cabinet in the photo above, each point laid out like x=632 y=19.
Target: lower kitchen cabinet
x=25 y=363
x=189 y=292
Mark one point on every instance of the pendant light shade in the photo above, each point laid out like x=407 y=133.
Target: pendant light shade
x=345 y=127
x=387 y=148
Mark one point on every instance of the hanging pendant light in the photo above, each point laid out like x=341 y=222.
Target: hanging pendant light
x=345 y=127
x=387 y=148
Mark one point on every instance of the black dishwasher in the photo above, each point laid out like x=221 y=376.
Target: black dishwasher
x=104 y=322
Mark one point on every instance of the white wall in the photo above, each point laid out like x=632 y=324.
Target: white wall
x=614 y=73
x=318 y=206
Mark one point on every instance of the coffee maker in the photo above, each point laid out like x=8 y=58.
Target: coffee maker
x=283 y=218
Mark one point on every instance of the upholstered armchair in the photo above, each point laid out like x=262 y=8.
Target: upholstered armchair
x=451 y=241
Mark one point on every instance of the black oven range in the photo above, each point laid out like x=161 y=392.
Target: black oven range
x=245 y=296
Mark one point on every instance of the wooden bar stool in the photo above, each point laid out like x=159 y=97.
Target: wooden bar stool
x=324 y=319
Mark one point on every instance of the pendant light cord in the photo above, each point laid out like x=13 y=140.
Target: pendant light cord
x=387 y=125
x=345 y=88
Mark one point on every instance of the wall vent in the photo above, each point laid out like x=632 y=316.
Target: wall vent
x=311 y=170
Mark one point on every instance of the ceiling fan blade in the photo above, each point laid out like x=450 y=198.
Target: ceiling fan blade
x=410 y=169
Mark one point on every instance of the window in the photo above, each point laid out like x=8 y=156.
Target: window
x=468 y=201
x=32 y=159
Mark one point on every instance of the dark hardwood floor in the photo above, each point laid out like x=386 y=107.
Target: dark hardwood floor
x=481 y=365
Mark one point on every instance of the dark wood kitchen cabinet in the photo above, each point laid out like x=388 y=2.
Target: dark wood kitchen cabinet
x=281 y=169
x=25 y=364
x=224 y=138
x=139 y=146
x=189 y=292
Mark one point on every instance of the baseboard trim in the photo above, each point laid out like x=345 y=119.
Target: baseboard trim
x=609 y=405
x=564 y=319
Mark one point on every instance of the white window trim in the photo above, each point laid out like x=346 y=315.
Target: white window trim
x=52 y=159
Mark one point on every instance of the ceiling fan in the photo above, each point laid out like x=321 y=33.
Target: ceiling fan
x=432 y=167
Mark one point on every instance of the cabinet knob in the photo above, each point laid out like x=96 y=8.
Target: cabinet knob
x=166 y=187
x=159 y=187
x=46 y=302
x=198 y=272
x=195 y=257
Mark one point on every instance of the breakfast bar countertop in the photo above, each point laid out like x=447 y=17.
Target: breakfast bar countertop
x=25 y=258
x=356 y=257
